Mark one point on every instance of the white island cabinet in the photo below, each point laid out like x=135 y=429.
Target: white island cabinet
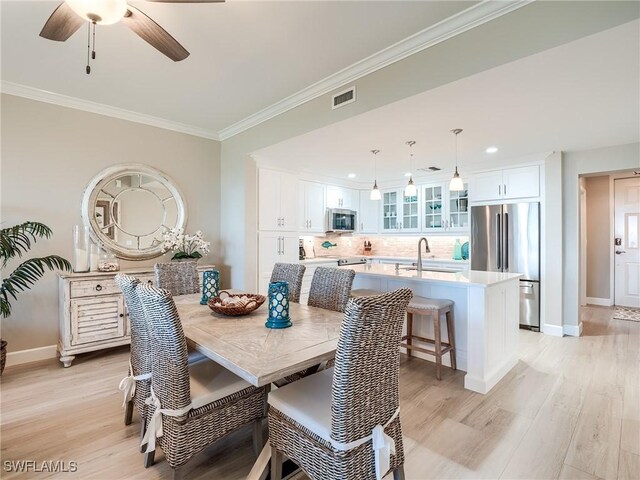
x=486 y=315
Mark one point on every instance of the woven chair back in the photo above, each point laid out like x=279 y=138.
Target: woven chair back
x=169 y=365
x=180 y=278
x=367 y=364
x=330 y=288
x=291 y=273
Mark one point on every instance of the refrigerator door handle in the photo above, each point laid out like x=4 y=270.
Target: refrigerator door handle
x=506 y=242
x=498 y=242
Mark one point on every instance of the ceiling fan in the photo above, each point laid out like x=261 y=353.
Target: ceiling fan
x=70 y=15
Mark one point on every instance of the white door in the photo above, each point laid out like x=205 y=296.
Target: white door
x=315 y=210
x=369 y=213
x=486 y=186
x=289 y=202
x=627 y=234
x=521 y=182
x=268 y=199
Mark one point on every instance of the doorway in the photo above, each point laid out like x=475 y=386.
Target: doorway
x=626 y=242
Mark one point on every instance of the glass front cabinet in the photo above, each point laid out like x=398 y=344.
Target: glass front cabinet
x=445 y=210
x=399 y=212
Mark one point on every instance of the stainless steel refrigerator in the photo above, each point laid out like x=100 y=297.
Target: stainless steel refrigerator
x=506 y=238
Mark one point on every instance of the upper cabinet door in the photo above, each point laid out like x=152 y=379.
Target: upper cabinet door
x=390 y=220
x=434 y=207
x=369 y=213
x=289 y=202
x=314 y=207
x=350 y=199
x=410 y=207
x=458 y=210
x=334 y=197
x=486 y=186
x=269 y=217
x=521 y=182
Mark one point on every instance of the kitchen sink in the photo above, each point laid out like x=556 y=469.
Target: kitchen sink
x=431 y=269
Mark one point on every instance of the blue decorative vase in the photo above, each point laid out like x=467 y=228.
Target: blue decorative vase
x=465 y=251
x=210 y=285
x=278 y=305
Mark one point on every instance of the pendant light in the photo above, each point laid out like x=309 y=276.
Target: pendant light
x=410 y=190
x=375 y=192
x=456 y=184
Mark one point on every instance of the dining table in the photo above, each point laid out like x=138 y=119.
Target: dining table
x=257 y=354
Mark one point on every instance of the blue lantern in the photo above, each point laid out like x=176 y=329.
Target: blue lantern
x=210 y=285
x=278 y=305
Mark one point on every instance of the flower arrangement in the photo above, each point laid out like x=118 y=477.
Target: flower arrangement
x=185 y=246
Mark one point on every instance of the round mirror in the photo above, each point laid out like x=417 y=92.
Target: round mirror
x=129 y=207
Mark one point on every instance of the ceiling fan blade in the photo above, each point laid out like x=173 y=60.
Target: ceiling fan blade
x=154 y=34
x=187 y=1
x=62 y=23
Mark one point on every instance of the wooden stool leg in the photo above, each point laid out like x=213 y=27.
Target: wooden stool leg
x=452 y=339
x=409 y=331
x=438 y=343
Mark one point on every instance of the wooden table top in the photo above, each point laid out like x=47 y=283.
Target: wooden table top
x=253 y=352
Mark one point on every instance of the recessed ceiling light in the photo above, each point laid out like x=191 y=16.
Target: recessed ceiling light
x=352 y=175
x=491 y=150
x=408 y=174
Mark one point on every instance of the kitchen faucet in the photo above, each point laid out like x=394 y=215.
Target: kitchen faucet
x=426 y=244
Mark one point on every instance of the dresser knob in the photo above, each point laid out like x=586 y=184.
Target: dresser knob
x=121 y=315
x=98 y=287
x=150 y=282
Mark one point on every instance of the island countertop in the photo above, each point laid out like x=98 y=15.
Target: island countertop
x=466 y=277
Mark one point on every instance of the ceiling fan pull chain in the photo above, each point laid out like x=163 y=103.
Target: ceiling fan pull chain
x=88 y=69
x=93 y=50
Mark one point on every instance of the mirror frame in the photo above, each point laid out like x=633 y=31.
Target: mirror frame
x=106 y=176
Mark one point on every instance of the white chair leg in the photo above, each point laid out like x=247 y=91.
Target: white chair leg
x=276 y=464
x=398 y=473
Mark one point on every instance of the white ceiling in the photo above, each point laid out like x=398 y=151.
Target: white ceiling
x=245 y=56
x=581 y=95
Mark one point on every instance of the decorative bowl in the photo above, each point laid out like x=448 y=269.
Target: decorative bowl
x=235 y=304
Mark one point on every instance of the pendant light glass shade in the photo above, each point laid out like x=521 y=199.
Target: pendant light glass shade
x=456 y=183
x=375 y=191
x=410 y=190
x=103 y=12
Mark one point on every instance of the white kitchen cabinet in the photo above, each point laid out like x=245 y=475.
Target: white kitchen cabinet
x=312 y=211
x=342 y=197
x=444 y=210
x=308 y=276
x=400 y=213
x=507 y=184
x=277 y=201
x=369 y=213
x=275 y=247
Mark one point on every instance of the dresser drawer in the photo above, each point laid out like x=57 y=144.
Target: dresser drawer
x=90 y=288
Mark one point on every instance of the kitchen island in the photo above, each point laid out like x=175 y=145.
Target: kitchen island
x=486 y=314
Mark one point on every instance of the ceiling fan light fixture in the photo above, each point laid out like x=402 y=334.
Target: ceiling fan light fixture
x=102 y=12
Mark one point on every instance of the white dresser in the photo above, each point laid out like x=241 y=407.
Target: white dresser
x=92 y=314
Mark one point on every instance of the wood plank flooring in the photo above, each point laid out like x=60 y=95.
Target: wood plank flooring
x=570 y=409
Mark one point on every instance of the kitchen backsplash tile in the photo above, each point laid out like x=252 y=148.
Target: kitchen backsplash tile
x=346 y=245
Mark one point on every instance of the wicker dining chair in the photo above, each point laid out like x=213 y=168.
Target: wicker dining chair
x=330 y=288
x=137 y=384
x=191 y=406
x=180 y=278
x=329 y=423
x=291 y=273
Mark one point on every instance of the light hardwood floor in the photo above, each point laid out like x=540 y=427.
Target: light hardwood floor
x=570 y=409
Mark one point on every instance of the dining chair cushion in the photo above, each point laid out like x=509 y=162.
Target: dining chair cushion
x=308 y=402
x=210 y=381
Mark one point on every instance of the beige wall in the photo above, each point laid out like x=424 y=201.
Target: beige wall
x=50 y=153
x=598 y=233
x=575 y=164
x=500 y=41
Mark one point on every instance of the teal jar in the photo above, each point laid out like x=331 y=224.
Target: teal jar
x=457 y=250
x=210 y=285
x=278 y=305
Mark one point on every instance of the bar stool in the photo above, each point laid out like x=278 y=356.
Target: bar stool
x=433 y=307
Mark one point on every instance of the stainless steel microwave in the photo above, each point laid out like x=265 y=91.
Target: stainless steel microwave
x=341 y=220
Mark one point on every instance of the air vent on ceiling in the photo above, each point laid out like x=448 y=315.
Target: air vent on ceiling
x=343 y=98
x=429 y=169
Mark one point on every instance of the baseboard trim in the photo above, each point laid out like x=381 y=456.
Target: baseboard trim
x=31 y=355
x=555 y=330
x=601 y=302
x=573 y=330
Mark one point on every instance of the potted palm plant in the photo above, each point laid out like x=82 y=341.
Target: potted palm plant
x=14 y=242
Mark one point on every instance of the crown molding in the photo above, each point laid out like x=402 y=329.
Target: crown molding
x=102 y=109
x=474 y=16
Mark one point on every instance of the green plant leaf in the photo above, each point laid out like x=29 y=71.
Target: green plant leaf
x=17 y=240
x=180 y=255
x=196 y=255
x=25 y=276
